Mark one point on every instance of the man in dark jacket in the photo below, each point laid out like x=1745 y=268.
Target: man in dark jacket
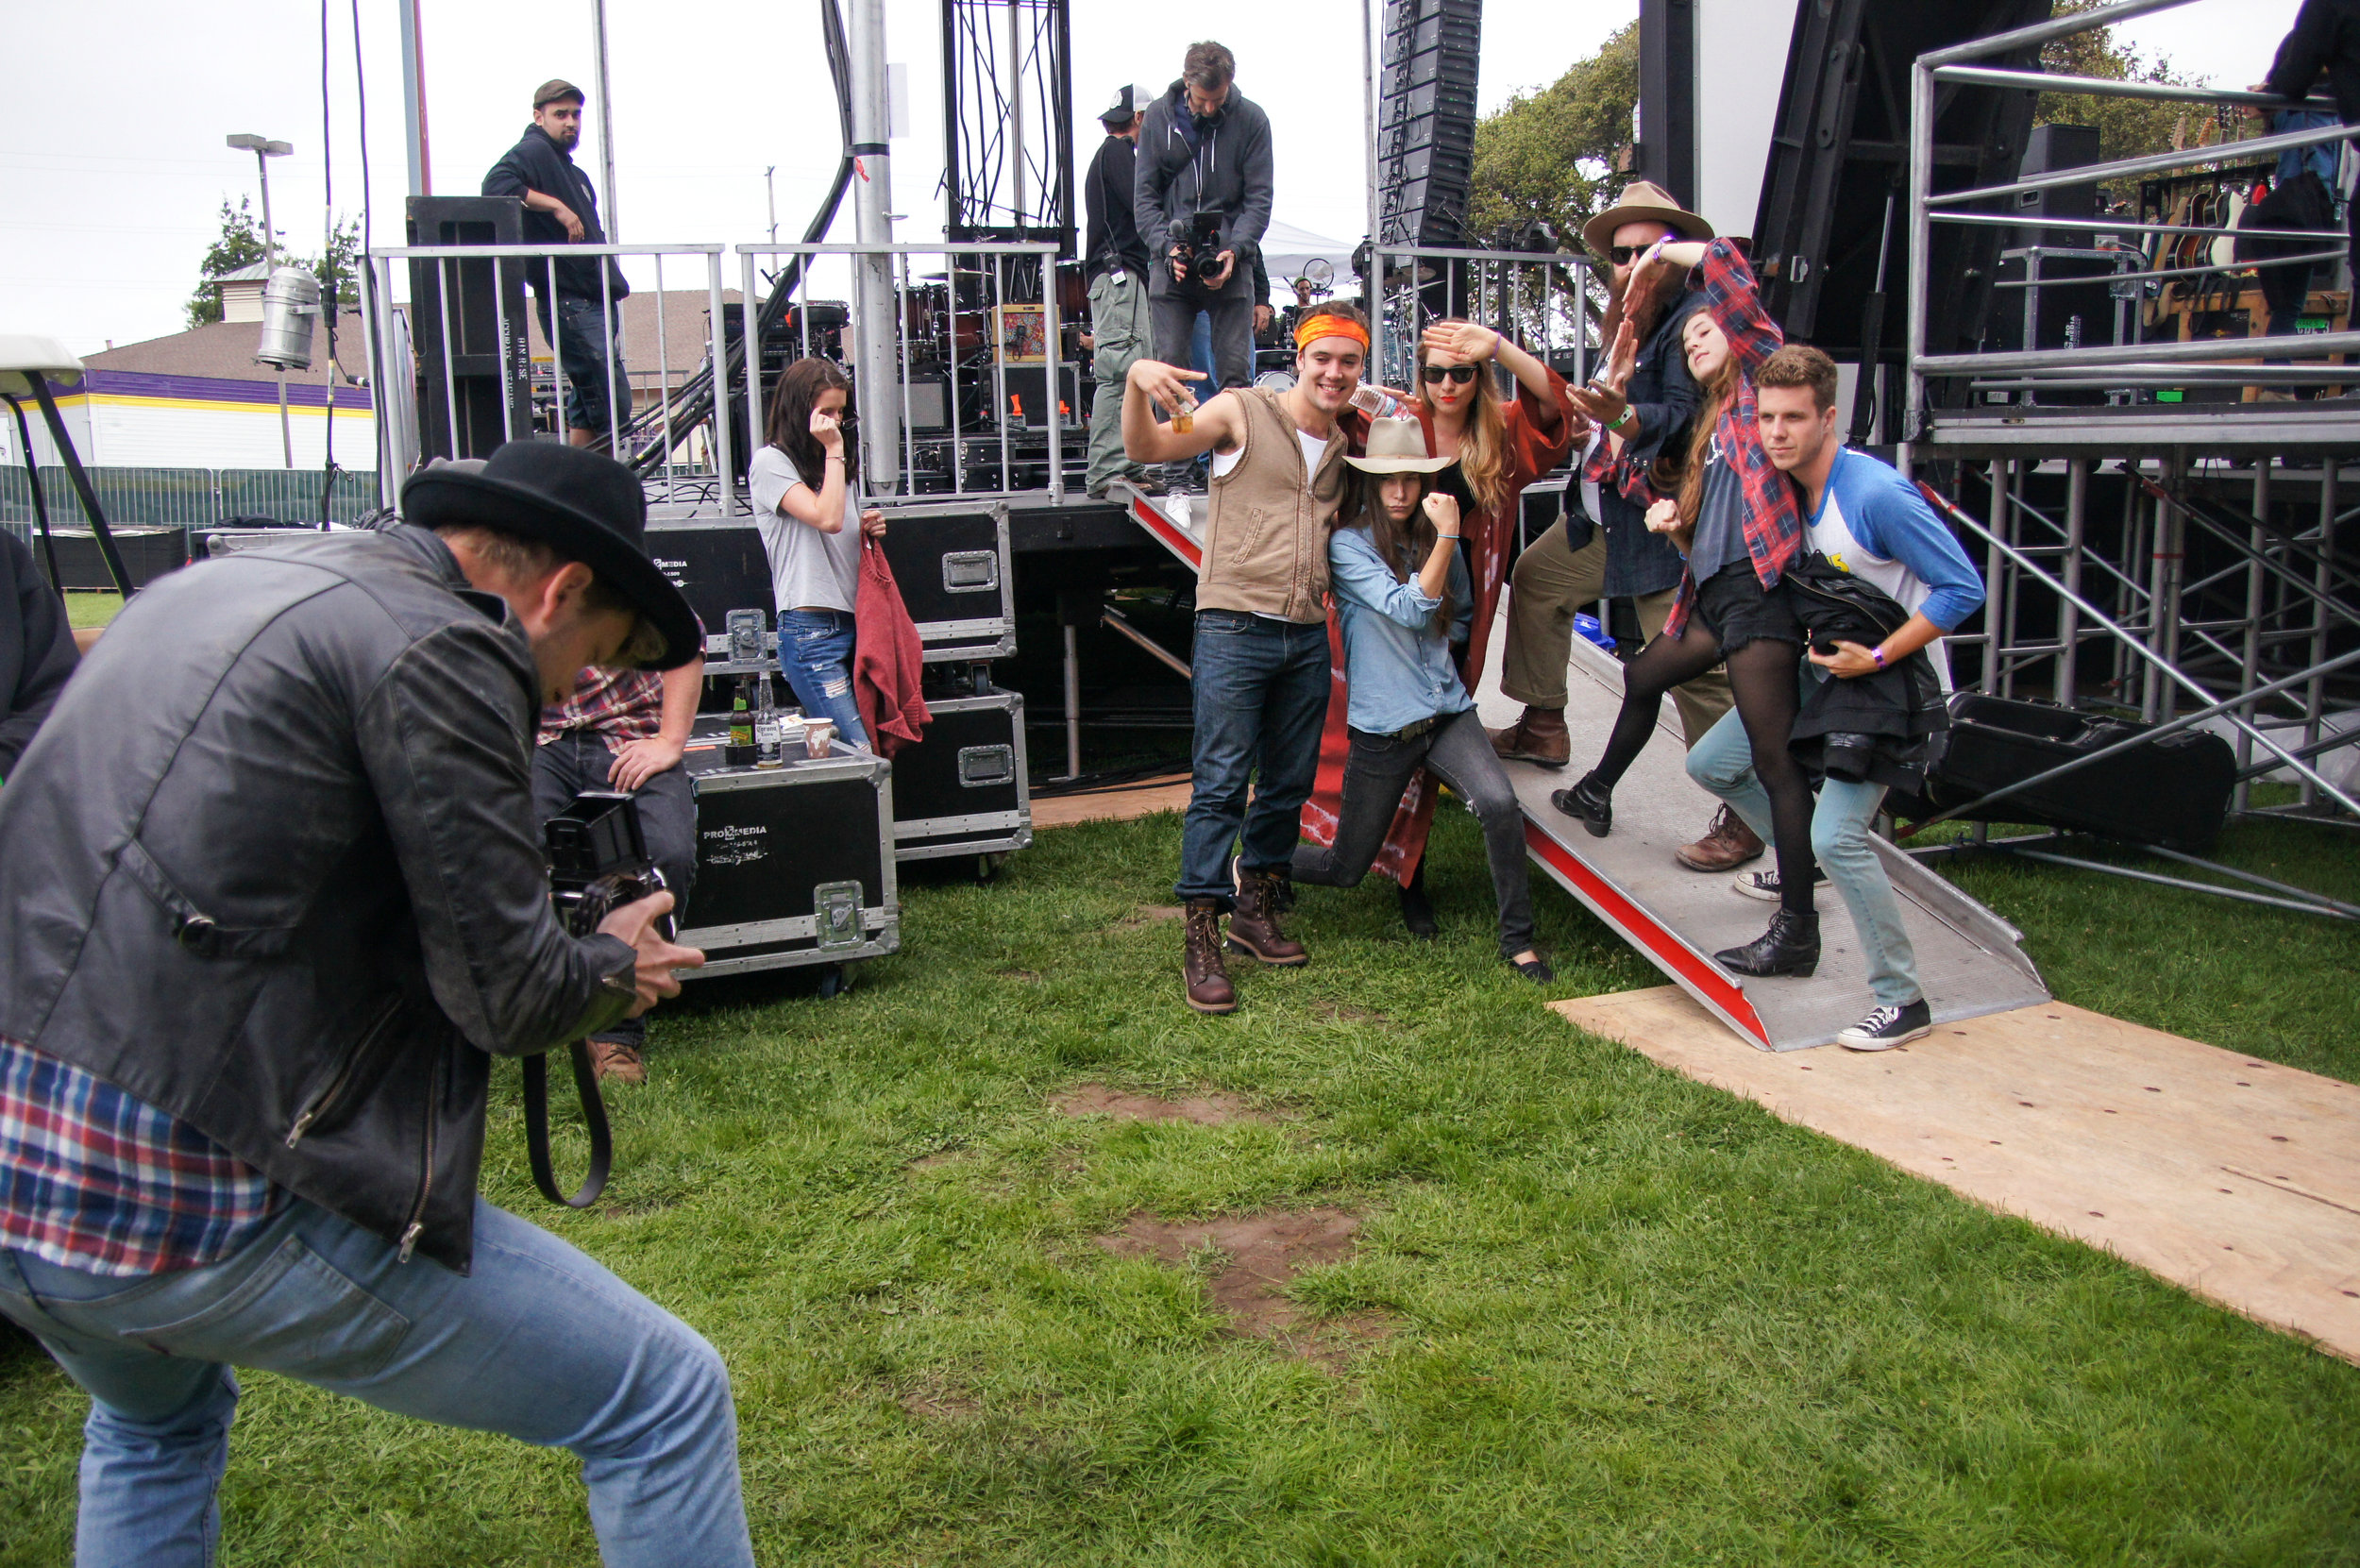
x=1603 y=548
x=562 y=207
x=2325 y=42
x=36 y=649
x=1205 y=150
x=272 y=897
x=1115 y=260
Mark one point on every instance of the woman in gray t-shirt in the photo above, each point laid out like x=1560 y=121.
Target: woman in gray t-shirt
x=812 y=530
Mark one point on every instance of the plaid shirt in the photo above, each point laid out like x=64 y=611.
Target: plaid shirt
x=621 y=706
x=1774 y=529
x=93 y=1179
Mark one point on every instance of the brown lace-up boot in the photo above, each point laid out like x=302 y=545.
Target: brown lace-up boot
x=1201 y=967
x=1539 y=737
x=1254 y=923
x=1727 y=845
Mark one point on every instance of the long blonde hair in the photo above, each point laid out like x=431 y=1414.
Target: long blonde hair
x=1483 y=450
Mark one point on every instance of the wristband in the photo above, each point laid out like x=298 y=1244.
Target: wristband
x=1877 y=654
x=1623 y=418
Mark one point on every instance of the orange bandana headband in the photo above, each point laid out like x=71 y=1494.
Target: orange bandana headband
x=1329 y=327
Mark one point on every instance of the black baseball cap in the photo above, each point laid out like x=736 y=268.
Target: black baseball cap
x=1130 y=100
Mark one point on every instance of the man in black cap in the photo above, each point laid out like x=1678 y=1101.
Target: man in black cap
x=272 y=897
x=562 y=207
x=1114 y=259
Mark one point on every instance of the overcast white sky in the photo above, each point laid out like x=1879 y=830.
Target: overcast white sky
x=112 y=167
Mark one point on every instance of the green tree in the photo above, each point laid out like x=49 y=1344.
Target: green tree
x=239 y=244
x=1551 y=155
x=2127 y=127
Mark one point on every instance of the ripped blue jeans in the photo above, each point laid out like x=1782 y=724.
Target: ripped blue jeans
x=816 y=656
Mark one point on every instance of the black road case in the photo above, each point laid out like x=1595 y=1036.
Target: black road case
x=951 y=563
x=794 y=864
x=2174 y=791
x=963 y=791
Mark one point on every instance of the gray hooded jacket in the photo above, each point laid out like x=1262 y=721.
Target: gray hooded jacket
x=1227 y=168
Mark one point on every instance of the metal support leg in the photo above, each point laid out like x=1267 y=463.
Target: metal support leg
x=2249 y=659
x=1072 y=701
x=2069 y=618
x=2314 y=699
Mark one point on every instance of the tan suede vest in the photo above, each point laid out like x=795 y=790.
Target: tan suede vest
x=1266 y=529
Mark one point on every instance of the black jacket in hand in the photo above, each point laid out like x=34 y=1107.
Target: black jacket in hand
x=1899 y=708
x=271 y=867
x=36 y=649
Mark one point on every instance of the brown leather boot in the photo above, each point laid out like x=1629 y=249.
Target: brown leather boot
x=1201 y=967
x=1254 y=923
x=1727 y=844
x=1539 y=737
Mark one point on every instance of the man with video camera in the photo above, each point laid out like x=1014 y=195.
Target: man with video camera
x=272 y=897
x=1203 y=202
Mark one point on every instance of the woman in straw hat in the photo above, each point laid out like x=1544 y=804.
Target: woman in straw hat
x=1403 y=598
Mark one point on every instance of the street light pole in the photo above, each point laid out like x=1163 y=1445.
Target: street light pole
x=265 y=150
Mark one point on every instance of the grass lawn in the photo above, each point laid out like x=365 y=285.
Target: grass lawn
x=1630 y=1320
x=91 y=609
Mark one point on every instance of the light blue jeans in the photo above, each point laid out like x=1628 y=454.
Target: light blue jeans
x=1723 y=762
x=537 y=1341
x=816 y=656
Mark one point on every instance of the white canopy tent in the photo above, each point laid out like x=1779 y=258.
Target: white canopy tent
x=1286 y=250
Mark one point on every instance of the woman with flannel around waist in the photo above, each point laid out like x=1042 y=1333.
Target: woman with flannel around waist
x=1734 y=519
x=1403 y=597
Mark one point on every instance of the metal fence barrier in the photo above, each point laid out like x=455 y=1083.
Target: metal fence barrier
x=187 y=498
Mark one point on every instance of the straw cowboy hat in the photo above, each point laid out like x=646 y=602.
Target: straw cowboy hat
x=1398 y=446
x=1644 y=201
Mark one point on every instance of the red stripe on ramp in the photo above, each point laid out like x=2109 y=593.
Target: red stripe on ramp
x=1167 y=532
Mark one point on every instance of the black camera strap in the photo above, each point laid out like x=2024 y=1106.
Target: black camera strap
x=593 y=1117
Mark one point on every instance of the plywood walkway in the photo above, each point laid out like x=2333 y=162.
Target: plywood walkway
x=2236 y=1179
x=1120 y=804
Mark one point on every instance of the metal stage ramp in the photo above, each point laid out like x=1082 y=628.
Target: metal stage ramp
x=1971 y=961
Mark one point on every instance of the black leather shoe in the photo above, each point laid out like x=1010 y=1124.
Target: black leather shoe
x=1536 y=969
x=1417 y=910
x=1589 y=800
x=1791 y=945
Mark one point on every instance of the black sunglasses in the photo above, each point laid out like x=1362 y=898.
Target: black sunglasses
x=1623 y=256
x=1462 y=374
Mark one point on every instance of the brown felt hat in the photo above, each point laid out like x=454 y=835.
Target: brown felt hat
x=1644 y=201
x=554 y=89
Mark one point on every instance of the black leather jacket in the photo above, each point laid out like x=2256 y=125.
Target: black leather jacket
x=271 y=867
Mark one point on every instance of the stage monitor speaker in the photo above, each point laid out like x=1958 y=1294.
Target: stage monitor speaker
x=1835 y=195
x=2046 y=150
x=467 y=371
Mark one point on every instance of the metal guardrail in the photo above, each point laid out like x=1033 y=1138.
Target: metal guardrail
x=1548 y=302
x=188 y=497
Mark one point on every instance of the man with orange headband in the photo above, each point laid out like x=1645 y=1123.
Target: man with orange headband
x=1260 y=667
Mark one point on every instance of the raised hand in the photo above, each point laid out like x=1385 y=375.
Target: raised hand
x=1664 y=517
x=1168 y=384
x=1442 y=509
x=830 y=434
x=1464 y=340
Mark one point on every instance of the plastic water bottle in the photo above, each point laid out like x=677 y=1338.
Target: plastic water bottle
x=766 y=754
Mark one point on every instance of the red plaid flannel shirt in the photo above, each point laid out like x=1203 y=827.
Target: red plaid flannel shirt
x=1774 y=529
x=621 y=706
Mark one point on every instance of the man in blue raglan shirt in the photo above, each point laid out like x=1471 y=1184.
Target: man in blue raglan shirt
x=1867 y=519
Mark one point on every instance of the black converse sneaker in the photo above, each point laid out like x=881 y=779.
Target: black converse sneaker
x=1765 y=884
x=1888 y=1027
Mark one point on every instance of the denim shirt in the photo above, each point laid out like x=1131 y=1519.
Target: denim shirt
x=1396 y=661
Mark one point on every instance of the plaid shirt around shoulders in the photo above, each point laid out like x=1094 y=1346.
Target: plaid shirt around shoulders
x=618 y=705
x=91 y=1179
x=1773 y=527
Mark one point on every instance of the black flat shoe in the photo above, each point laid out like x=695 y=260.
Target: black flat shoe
x=1589 y=802
x=1791 y=945
x=1535 y=969
x=1417 y=911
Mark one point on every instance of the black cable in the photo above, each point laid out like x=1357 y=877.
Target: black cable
x=327 y=260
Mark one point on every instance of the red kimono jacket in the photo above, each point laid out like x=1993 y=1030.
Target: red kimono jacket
x=1537 y=442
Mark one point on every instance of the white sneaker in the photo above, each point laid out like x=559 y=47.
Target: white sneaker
x=1765 y=884
x=1887 y=1027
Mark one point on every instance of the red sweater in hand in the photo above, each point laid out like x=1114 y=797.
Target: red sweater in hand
x=888 y=659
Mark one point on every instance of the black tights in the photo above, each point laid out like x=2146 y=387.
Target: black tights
x=1761 y=674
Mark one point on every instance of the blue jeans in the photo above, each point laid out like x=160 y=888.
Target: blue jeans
x=816 y=656
x=590 y=349
x=1723 y=762
x=538 y=1342
x=1261 y=689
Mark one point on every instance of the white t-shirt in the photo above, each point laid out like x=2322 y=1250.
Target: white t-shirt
x=1314 y=447
x=808 y=570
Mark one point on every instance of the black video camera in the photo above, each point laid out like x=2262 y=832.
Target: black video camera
x=599 y=860
x=1197 y=251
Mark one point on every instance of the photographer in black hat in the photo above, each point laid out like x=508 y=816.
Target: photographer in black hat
x=272 y=897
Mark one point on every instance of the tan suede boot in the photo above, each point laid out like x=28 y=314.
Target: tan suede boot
x=1539 y=737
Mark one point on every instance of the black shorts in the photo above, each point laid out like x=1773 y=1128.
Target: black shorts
x=1738 y=610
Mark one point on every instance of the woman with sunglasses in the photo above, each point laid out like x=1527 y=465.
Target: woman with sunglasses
x=1494 y=449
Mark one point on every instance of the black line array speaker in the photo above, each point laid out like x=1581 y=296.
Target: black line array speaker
x=466 y=368
x=1425 y=115
x=1836 y=193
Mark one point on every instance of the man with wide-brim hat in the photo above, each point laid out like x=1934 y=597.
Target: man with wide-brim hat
x=1601 y=548
x=272 y=898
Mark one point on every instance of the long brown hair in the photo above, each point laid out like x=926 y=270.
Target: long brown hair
x=1483 y=450
x=1720 y=389
x=1364 y=506
x=789 y=424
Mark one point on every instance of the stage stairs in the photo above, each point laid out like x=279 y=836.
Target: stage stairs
x=1970 y=961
